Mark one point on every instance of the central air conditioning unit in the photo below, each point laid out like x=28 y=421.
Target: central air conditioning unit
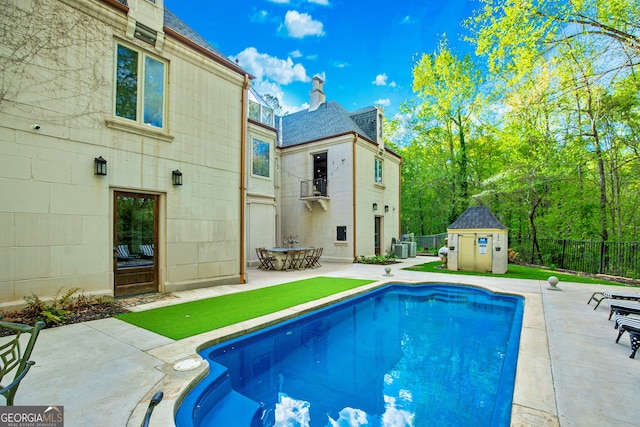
x=412 y=249
x=401 y=250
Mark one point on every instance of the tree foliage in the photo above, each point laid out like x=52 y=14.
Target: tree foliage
x=548 y=138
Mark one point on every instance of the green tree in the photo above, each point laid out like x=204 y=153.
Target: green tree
x=449 y=89
x=514 y=34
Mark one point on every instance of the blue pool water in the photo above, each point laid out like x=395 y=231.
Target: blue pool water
x=402 y=355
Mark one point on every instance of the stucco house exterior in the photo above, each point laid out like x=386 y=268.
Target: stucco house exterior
x=136 y=157
x=262 y=212
x=340 y=185
x=129 y=83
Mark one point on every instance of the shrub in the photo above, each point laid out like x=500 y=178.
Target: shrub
x=53 y=313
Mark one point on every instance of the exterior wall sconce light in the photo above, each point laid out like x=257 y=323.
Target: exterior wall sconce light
x=176 y=177
x=375 y=206
x=386 y=208
x=100 y=166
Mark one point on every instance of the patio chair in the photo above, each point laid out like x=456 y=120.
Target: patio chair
x=629 y=324
x=266 y=259
x=308 y=257
x=14 y=358
x=312 y=258
x=623 y=307
x=124 y=254
x=291 y=260
x=298 y=259
x=147 y=251
x=261 y=258
x=613 y=295
x=316 y=258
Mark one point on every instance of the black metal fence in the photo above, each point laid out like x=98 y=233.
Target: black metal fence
x=613 y=258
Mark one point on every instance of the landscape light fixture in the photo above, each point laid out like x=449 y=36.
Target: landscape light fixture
x=176 y=177
x=100 y=166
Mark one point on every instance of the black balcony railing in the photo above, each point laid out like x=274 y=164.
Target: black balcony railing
x=313 y=188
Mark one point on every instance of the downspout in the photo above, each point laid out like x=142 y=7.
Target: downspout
x=353 y=184
x=243 y=143
x=399 y=200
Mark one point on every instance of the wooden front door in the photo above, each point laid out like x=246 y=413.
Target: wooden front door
x=135 y=255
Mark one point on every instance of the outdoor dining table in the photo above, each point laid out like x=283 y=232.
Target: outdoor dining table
x=280 y=255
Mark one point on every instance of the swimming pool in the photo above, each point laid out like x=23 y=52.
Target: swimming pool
x=402 y=355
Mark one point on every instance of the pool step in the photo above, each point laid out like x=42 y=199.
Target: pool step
x=220 y=405
x=234 y=409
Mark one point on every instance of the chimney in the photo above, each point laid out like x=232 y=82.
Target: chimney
x=317 y=97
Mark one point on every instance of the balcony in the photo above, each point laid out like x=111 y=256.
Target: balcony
x=314 y=190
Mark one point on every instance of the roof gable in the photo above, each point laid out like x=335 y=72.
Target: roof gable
x=477 y=217
x=367 y=120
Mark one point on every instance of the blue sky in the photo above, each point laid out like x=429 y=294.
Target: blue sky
x=364 y=50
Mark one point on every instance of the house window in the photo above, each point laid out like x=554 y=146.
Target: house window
x=261 y=151
x=378 y=171
x=341 y=233
x=140 y=77
x=260 y=113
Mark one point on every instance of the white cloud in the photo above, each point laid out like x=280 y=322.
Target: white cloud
x=381 y=80
x=271 y=74
x=265 y=87
x=300 y=25
x=280 y=1
x=407 y=20
x=259 y=16
x=320 y=2
x=296 y=54
x=263 y=66
x=384 y=102
x=393 y=84
x=340 y=64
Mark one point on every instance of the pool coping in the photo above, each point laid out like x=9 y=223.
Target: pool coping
x=534 y=398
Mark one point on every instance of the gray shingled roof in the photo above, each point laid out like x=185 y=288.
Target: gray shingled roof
x=477 y=217
x=329 y=119
x=172 y=21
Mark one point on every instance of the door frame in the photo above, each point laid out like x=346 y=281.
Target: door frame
x=378 y=238
x=136 y=279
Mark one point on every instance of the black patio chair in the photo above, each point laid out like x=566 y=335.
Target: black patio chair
x=14 y=358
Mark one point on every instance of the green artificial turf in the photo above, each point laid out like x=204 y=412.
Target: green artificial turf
x=515 y=272
x=191 y=318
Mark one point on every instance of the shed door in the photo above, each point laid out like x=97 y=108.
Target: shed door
x=475 y=253
x=466 y=251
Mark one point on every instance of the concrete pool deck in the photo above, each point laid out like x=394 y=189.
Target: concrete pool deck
x=570 y=370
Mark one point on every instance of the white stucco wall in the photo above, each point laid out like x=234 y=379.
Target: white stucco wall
x=56 y=216
x=261 y=200
x=318 y=227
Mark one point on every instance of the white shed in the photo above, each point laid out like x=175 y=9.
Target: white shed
x=478 y=242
